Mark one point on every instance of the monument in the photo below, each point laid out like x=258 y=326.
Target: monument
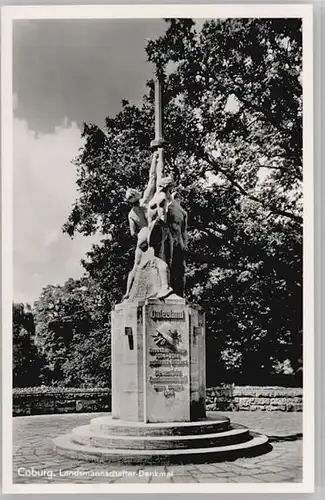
x=158 y=346
x=165 y=376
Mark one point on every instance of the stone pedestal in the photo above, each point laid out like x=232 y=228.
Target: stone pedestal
x=158 y=361
x=158 y=394
x=158 y=390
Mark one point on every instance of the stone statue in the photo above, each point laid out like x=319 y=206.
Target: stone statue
x=160 y=224
x=144 y=210
x=159 y=238
x=137 y=217
x=176 y=220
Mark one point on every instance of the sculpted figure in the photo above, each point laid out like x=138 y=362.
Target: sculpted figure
x=176 y=221
x=138 y=222
x=159 y=221
x=146 y=210
x=159 y=238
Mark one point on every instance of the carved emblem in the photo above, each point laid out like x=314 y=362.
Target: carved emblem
x=167 y=336
x=169 y=393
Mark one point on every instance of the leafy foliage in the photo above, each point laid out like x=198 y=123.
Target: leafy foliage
x=72 y=331
x=27 y=363
x=233 y=117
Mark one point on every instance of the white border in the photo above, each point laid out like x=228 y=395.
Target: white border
x=8 y=14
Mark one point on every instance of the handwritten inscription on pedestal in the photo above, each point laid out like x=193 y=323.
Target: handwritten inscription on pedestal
x=167 y=363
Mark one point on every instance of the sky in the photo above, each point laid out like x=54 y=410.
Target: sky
x=65 y=72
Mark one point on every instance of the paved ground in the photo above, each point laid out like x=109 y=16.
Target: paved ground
x=35 y=462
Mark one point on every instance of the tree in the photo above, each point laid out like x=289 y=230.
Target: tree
x=233 y=113
x=72 y=330
x=27 y=363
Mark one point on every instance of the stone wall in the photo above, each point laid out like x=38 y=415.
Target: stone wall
x=33 y=402
x=250 y=398
x=39 y=401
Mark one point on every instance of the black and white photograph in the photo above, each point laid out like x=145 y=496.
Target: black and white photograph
x=157 y=213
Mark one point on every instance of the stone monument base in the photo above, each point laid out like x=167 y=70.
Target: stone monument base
x=158 y=361
x=158 y=390
x=107 y=439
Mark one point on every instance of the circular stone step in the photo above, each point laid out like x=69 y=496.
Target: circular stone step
x=112 y=427
x=85 y=435
x=64 y=445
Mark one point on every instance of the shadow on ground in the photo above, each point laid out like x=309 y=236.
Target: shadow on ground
x=290 y=437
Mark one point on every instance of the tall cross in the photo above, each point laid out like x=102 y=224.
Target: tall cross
x=159 y=141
